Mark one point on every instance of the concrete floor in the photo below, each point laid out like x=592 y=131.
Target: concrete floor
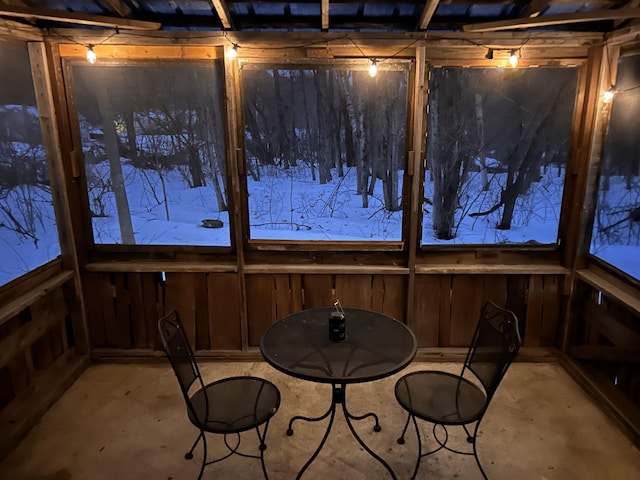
x=129 y=422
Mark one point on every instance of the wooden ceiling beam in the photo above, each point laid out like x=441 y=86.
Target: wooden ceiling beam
x=223 y=13
x=77 y=18
x=427 y=13
x=324 y=6
x=548 y=20
x=119 y=7
x=13 y=31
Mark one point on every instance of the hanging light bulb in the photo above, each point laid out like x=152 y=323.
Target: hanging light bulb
x=513 y=59
x=607 y=96
x=489 y=55
x=91 y=55
x=373 y=68
x=233 y=53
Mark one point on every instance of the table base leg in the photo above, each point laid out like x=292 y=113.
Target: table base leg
x=338 y=397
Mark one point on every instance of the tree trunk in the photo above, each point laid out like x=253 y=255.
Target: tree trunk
x=115 y=166
x=481 y=154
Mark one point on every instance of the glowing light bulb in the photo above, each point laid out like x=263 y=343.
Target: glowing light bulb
x=607 y=96
x=373 y=69
x=233 y=53
x=91 y=55
x=513 y=59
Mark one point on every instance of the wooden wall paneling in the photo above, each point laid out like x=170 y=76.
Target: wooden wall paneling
x=152 y=294
x=444 y=332
x=180 y=294
x=297 y=293
x=495 y=289
x=260 y=305
x=425 y=321
x=466 y=302
x=94 y=290
x=51 y=310
x=282 y=296
x=517 y=300
x=41 y=352
x=119 y=332
x=224 y=311
x=354 y=291
x=317 y=291
x=394 y=296
x=534 y=311
x=549 y=335
x=106 y=295
x=137 y=300
x=201 y=299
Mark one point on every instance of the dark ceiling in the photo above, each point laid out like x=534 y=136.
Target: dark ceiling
x=344 y=15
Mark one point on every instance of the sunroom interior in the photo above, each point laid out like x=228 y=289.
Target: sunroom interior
x=242 y=161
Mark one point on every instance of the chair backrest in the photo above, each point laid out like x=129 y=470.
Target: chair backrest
x=179 y=352
x=495 y=344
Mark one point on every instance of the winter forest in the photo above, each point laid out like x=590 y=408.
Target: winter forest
x=325 y=151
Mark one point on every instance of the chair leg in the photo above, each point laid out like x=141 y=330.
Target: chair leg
x=189 y=454
x=204 y=455
x=404 y=430
x=263 y=447
x=472 y=439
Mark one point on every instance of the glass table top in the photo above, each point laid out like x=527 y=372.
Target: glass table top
x=375 y=347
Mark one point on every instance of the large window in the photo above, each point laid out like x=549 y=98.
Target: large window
x=154 y=153
x=28 y=234
x=325 y=152
x=616 y=227
x=497 y=149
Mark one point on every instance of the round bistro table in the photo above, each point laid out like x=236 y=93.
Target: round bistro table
x=376 y=346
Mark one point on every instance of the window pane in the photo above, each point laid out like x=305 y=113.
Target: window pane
x=28 y=235
x=325 y=153
x=154 y=153
x=497 y=148
x=616 y=227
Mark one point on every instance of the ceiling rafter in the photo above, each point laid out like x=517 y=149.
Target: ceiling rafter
x=119 y=7
x=534 y=8
x=427 y=13
x=223 y=13
x=547 y=20
x=77 y=18
x=324 y=7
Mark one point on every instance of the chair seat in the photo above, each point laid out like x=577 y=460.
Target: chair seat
x=235 y=404
x=440 y=397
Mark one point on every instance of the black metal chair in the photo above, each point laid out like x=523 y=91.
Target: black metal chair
x=446 y=399
x=228 y=406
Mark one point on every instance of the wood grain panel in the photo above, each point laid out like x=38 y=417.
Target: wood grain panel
x=201 y=302
x=179 y=294
x=295 y=281
x=282 y=296
x=550 y=311
x=119 y=330
x=137 y=305
x=95 y=291
x=152 y=301
x=444 y=332
x=260 y=305
x=517 y=300
x=318 y=291
x=426 y=310
x=354 y=290
x=395 y=296
x=534 y=311
x=224 y=310
x=495 y=289
x=466 y=302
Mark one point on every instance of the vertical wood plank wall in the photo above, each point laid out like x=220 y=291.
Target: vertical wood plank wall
x=123 y=308
x=38 y=359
